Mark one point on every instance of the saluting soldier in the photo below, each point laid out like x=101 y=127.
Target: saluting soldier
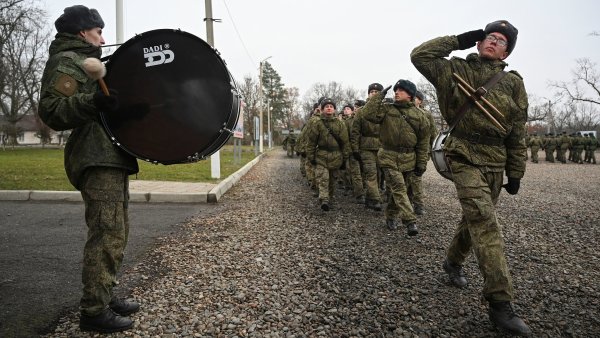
x=480 y=152
x=364 y=138
x=327 y=148
x=404 y=136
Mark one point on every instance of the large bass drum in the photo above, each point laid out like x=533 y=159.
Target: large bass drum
x=440 y=161
x=178 y=103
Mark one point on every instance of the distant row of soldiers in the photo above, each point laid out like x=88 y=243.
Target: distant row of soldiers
x=374 y=141
x=576 y=143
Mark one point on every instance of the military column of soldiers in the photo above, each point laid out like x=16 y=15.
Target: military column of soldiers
x=371 y=137
x=581 y=148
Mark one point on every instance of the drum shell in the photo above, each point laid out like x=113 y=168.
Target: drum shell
x=178 y=103
x=440 y=161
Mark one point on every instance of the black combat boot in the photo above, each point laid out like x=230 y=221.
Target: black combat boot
x=377 y=206
x=325 y=206
x=456 y=274
x=504 y=317
x=392 y=224
x=418 y=209
x=411 y=229
x=106 y=322
x=360 y=199
x=123 y=307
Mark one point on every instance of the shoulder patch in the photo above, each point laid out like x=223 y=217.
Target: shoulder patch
x=516 y=73
x=66 y=85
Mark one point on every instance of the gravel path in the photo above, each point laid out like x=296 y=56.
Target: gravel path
x=272 y=264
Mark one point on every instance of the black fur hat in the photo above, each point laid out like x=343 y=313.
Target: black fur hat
x=505 y=28
x=374 y=86
x=359 y=103
x=78 y=18
x=420 y=95
x=327 y=101
x=407 y=86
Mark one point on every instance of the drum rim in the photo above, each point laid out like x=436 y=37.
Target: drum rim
x=441 y=164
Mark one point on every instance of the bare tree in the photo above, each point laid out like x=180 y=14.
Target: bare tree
x=430 y=103
x=585 y=85
x=23 y=46
x=334 y=90
x=249 y=90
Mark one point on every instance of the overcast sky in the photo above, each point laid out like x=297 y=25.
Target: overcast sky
x=360 y=42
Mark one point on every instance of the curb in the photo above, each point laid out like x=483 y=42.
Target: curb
x=215 y=193
x=212 y=196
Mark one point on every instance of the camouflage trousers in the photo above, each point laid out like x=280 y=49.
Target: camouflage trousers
x=355 y=177
x=105 y=192
x=479 y=230
x=370 y=165
x=560 y=155
x=550 y=155
x=415 y=190
x=534 y=154
x=303 y=165
x=310 y=173
x=326 y=179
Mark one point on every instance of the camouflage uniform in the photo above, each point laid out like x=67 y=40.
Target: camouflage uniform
x=353 y=167
x=479 y=153
x=289 y=144
x=404 y=136
x=364 y=139
x=563 y=143
x=593 y=146
x=586 y=148
x=535 y=143
x=302 y=143
x=577 y=147
x=323 y=148
x=93 y=164
x=550 y=145
x=415 y=184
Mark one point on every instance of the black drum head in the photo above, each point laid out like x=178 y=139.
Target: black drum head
x=177 y=101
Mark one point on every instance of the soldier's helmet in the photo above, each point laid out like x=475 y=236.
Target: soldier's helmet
x=508 y=30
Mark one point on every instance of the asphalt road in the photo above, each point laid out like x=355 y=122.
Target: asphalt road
x=41 y=250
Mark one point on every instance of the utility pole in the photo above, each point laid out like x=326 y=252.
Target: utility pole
x=119 y=8
x=262 y=106
x=215 y=159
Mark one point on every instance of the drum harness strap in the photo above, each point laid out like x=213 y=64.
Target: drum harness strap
x=475 y=137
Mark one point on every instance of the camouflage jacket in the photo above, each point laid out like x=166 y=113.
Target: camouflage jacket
x=508 y=96
x=593 y=143
x=535 y=142
x=564 y=142
x=66 y=102
x=404 y=129
x=364 y=134
x=432 y=128
x=322 y=146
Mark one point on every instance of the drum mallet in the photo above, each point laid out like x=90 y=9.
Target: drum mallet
x=95 y=70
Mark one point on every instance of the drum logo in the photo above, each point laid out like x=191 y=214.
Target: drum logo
x=158 y=55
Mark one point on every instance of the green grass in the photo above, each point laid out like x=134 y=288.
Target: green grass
x=25 y=168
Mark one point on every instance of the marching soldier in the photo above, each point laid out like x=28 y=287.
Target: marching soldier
x=563 y=144
x=353 y=167
x=578 y=148
x=327 y=149
x=550 y=145
x=289 y=143
x=481 y=149
x=415 y=184
x=365 y=144
x=535 y=143
x=404 y=136
x=592 y=147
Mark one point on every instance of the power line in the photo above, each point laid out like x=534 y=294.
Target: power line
x=238 y=33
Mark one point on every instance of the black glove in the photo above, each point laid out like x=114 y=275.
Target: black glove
x=343 y=166
x=385 y=90
x=303 y=154
x=512 y=187
x=313 y=162
x=419 y=171
x=356 y=155
x=107 y=103
x=469 y=39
